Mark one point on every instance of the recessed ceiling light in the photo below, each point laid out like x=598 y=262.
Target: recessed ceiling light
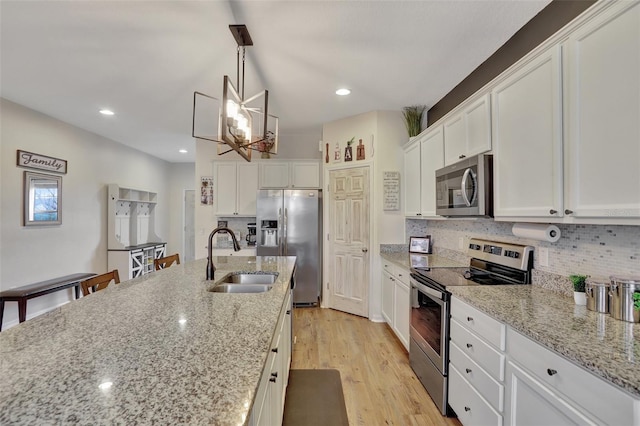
x=343 y=92
x=106 y=112
x=182 y=151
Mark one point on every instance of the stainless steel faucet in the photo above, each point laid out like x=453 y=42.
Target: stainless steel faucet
x=236 y=247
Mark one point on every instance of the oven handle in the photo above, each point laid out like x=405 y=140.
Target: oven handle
x=425 y=289
x=463 y=187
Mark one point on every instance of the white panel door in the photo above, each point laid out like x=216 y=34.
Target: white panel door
x=388 y=291
x=411 y=184
x=455 y=139
x=401 y=311
x=304 y=175
x=431 y=159
x=247 y=189
x=274 y=175
x=478 y=124
x=527 y=140
x=224 y=196
x=603 y=148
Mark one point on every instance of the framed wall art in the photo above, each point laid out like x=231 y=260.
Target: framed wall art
x=420 y=244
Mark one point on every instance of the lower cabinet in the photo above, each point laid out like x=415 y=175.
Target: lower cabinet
x=396 y=300
x=268 y=405
x=135 y=262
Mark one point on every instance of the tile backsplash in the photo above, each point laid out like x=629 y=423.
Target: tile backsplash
x=239 y=227
x=595 y=250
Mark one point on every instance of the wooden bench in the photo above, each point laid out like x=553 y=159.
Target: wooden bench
x=22 y=294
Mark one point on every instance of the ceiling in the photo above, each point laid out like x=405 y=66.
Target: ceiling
x=144 y=59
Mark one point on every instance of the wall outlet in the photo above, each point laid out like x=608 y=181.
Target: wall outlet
x=461 y=243
x=543 y=256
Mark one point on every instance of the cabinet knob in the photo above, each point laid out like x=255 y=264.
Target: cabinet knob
x=469 y=345
x=552 y=211
x=467 y=409
x=418 y=214
x=468 y=370
x=275 y=350
x=289 y=312
x=461 y=156
x=469 y=319
x=272 y=379
x=567 y=211
x=551 y=372
x=274 y=374
x=364 y=250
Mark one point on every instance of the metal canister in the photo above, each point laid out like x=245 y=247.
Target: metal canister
x=622 y=299
x=597 y=296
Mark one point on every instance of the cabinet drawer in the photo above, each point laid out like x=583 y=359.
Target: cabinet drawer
x=606 y=402
x=478 y=350
x=486 y=385
x=483 y=325
x=470 y=407
x=397 y=272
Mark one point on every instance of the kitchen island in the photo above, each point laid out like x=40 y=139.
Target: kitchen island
x=156 y=349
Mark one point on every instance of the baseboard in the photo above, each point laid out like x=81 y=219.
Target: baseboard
x=377 y=318
x=8 y=324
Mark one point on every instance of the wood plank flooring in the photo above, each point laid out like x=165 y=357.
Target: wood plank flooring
x=379 y=386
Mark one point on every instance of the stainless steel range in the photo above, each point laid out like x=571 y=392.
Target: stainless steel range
x=492 y=263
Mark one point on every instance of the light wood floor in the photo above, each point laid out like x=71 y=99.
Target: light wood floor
x=379 y=386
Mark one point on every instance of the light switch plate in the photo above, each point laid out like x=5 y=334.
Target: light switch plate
x=461 y=243
x=543 y=256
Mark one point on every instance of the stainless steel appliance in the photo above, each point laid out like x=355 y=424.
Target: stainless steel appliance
x=290 y=224
x=466 y=188
x=491 y=263
x=622 y=292
x=251 y=234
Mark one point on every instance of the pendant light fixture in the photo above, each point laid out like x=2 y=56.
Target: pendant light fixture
x=245 y=124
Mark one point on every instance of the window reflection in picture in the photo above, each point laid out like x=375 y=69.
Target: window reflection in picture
x=42 y=199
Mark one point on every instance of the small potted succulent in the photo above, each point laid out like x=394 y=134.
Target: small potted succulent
x=579 y=295
x=636 y=306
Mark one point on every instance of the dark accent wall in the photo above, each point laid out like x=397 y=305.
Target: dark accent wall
x=546 y=23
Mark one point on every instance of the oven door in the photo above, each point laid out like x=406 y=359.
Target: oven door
x=430 y=323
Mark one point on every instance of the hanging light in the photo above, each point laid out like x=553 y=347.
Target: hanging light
x=245 y=124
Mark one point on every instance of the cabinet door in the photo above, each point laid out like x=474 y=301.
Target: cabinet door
x=412 y=203
x=274 y=175
x=402 y=306
x=478 y=125
x=527 y=140
x=225 y=183
x=532 y=403
x=431 y=159
x=247 y=189
x=603 y=148
x=455 y=139
x=304 y=175
x=388 y=284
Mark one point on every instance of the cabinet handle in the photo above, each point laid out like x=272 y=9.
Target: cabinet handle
x=567 y=211
x=552 y=211
x=274 y=374
x=461 y=156
x=469 y=345
x=418 y=214
x=392 y=279
x=551 y=372
x=364 y=250
x=274 y=350
x=289 y=312
x=467 y=409
x=468 y=370
x=399 y=275
x=469 y=319
x=273 y=377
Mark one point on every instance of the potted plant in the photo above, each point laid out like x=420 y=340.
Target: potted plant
x=636 y=306
x=579 y=295
x=413 y=118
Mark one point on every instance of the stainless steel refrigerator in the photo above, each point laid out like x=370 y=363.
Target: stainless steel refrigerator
x=289 y=223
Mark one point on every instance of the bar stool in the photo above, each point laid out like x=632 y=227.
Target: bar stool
x=165 y=262
x=99 y=282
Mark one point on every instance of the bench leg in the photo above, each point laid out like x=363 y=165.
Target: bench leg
x=77 y=291
x=1 y=313
x=22 y=310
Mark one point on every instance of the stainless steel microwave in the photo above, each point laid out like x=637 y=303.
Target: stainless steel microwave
x=466 y=188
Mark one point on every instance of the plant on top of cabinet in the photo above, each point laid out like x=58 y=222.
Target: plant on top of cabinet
x=413 y=118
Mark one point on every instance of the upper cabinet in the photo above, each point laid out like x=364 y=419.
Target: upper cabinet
x=468 y=131
x=422 y=158
x=603 y=128
x=292 y=174
x=527 y=139
x=235 y=185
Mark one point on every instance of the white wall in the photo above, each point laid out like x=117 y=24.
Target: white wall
x=182 y=178
x=31 y=254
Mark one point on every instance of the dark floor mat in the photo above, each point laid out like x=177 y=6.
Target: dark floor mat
x=315 y=397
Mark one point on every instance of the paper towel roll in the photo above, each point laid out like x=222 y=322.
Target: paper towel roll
x=536 y=231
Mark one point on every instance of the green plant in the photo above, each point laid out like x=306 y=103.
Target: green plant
x=578 y=282
x=413 y=118
x=636 y=301
x=351 y=141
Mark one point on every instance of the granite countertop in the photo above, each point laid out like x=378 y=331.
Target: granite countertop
x=607 y=347
x=173 y=351
x=404 y=260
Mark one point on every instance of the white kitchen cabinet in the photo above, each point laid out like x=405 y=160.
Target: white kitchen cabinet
x=411 y=193
x=476 y=365
x=422 y=158
x=235 y=186
x=396 y=300
x=135 y=261
x=290 y=174
x=468 y=132
x=603 y=144
x=527 y=140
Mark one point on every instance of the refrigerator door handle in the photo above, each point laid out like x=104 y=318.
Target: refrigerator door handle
x=286 y=219
x=280 y=225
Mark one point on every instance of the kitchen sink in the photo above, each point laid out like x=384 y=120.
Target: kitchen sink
x=241 y=288
x=237 y=282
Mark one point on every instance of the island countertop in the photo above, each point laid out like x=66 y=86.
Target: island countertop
x=173 y=352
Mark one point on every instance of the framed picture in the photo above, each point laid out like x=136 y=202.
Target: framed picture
x=420 y=244
x=42 y=199
x=419 y=261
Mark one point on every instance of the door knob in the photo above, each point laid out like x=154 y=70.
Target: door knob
x=364 y=250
